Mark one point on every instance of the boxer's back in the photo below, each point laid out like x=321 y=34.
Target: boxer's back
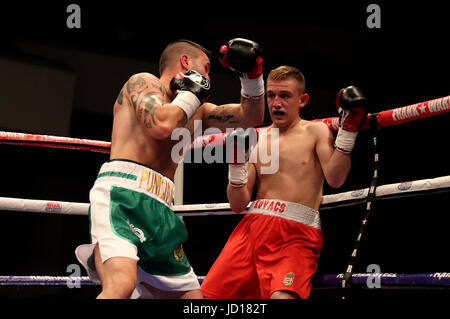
x=131 y=140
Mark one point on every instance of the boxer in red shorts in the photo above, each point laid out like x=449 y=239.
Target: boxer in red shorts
x=273 y=251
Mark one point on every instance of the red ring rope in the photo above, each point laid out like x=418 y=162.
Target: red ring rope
x=385 y=118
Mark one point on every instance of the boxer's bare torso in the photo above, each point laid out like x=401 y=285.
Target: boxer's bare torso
x=134 y=126
x=131 y=137
x=299 y=177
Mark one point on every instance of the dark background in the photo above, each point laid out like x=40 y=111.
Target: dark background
x=402 y=63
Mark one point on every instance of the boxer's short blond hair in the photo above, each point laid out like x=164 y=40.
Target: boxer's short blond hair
x=285 y=72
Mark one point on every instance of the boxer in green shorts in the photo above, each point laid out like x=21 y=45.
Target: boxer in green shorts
x=136 y=239
x=134 y=220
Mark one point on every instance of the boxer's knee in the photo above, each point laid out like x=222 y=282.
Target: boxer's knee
x=284 y=294
x=119 y=278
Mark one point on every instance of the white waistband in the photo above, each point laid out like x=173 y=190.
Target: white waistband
x=140 y=178
x=287 y=210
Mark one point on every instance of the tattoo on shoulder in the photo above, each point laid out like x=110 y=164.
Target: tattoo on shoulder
x=120 y=97
x=136 y=83
x=146 y=94
x=147 y=106
x=135 y=86
x=157 y=86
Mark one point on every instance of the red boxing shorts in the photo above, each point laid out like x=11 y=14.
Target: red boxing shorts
x=275 y=247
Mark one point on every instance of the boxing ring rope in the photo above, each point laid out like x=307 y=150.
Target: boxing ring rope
x=51 y=141
x=384 y=119
x=386 y=280
x=328 y=201
x=435 y=280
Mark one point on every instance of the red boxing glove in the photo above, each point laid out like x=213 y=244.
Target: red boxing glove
x=352 y=107
x=244 y=57
x=239 y=144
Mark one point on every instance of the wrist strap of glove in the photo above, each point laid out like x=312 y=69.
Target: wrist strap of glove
x=188 y=102
x=345 y=141
x=238 y=174
x=252 y=88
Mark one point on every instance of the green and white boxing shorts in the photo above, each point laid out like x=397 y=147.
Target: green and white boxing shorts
x=130 y=216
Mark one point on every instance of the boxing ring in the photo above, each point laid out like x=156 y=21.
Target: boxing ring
x=439 y=280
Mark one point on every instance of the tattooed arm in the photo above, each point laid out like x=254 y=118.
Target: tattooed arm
x=145 y=94
x=249 y=113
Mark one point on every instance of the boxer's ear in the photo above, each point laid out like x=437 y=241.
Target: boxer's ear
x=304 y=99
x=185 y=62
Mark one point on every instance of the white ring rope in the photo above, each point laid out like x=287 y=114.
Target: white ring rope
x=69 y=208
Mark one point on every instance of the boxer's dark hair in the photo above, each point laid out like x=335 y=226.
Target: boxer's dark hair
x=177 y=47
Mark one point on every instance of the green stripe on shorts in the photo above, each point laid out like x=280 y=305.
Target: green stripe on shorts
x=117 y=174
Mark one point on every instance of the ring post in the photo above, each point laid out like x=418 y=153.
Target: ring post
x=371 y=196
